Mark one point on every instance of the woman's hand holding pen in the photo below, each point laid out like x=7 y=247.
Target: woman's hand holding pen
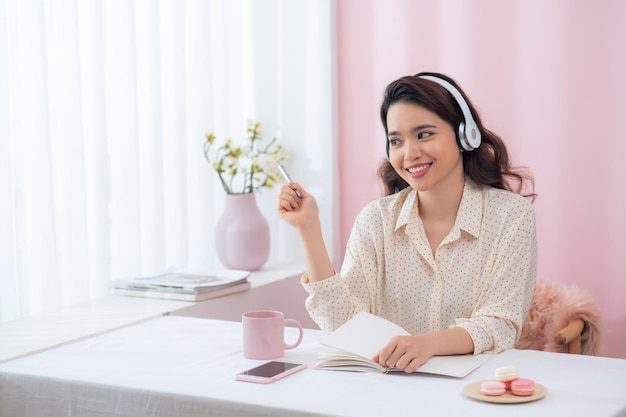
x=296 y=211
x=302 y=213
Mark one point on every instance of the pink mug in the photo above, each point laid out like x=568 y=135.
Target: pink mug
x=264 y=334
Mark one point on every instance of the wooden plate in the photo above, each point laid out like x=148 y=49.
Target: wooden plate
x=473 y=391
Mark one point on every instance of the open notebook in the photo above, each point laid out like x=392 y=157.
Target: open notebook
x=351 y=347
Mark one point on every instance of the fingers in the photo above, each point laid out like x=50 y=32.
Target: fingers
x=408 y=363
x=287 y=198
x=296 y=188
x=402 y=353
x=413 y=365
x=384 y=357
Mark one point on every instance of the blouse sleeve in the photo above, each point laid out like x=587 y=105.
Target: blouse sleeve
x=506 y=294
x=334 y=300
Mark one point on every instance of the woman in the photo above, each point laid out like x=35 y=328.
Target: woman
x=450 y=252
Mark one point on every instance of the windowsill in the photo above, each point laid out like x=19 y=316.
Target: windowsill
x=64 y=325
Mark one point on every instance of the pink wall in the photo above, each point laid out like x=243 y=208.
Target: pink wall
x=548 y=77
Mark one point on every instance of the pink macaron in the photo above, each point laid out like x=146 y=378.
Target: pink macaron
x=493 y=388
x=523 y=387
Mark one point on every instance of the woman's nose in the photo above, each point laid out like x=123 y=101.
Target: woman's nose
x=413 y=149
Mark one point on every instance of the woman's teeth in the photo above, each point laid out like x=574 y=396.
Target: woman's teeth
x=418 y=169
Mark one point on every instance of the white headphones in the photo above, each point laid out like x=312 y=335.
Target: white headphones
x=468 y=135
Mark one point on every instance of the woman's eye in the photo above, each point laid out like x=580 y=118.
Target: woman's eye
x=423 y=135
x=394 y=142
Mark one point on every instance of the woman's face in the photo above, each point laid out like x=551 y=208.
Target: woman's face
x=422 y=147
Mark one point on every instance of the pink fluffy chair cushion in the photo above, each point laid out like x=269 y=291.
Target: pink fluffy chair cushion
x=553 y=307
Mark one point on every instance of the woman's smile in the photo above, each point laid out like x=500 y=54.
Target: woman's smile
x=420 y=170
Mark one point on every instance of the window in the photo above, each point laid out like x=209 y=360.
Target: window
x=103 y=110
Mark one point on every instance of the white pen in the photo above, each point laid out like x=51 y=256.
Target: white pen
x=287 y=177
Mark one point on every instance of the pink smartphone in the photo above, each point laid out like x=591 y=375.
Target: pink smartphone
x=270 y=372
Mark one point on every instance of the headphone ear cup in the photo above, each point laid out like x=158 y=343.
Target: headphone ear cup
x=469 y=137
x=460 y=137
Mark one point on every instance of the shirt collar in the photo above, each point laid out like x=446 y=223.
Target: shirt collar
x=470 y=210
x=470 y=216
x=408 y=199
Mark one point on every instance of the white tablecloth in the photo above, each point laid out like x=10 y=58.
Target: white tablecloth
x=182 y=366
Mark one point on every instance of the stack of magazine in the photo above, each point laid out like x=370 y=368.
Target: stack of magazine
x=185 y=286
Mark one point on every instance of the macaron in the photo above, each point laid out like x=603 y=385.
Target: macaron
x=492 y=388
x=507 y=374
x=523 y=387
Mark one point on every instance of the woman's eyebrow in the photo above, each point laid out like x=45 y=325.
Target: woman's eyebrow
x=415 y=129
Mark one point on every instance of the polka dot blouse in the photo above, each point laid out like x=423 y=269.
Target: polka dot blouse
x=481 y=277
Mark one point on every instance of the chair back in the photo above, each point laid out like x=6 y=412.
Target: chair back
x=561 y=317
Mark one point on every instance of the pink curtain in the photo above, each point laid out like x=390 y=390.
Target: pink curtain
x=548 y=77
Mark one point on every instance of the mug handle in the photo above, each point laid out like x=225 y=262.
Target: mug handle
x=299 y=326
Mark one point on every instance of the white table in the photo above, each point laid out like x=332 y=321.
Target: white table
x=184 y=366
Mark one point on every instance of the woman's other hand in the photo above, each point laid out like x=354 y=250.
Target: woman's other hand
x=404 y=352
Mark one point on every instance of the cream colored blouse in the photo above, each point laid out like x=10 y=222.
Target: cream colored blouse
x=481 y=277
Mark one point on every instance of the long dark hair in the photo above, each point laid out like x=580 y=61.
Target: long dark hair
x=487 y=165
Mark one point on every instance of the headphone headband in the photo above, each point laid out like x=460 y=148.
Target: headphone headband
x=468 y=135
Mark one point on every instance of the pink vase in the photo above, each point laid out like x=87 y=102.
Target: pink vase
x=242 y=234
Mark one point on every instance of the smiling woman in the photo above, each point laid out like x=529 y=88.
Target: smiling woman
x=468 y=241
x=103 y=109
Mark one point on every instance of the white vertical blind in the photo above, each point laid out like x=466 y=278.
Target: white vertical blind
x=103 y=110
